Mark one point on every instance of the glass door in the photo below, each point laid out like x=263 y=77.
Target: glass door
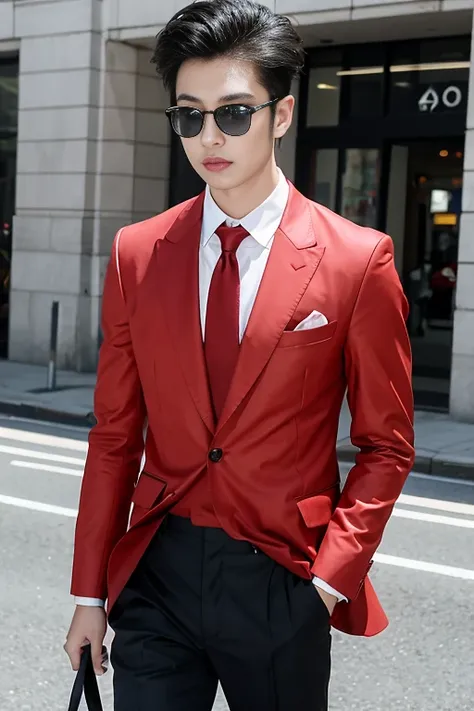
x=426 y=207
x=8 y=148
x=347 y=181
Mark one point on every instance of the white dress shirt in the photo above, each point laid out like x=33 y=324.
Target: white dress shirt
x=252 y=257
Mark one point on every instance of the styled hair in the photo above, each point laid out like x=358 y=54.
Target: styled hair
x=237 y=29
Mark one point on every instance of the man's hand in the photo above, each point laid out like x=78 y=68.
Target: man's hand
x=329 y=600
x=88 y=626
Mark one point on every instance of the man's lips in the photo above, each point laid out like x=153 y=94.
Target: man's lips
x=216 y=165
x=216 y=161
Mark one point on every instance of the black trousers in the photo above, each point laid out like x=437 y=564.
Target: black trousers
x=201 y=608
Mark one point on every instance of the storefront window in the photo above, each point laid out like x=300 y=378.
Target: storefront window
x=360 y=182
x=325 y=177
x=8 y=131
x=8 y=97
x=324 y=96
x=431 y=78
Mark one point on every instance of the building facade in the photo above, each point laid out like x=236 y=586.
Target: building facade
x=384 y=135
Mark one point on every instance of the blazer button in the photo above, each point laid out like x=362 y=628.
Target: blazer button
x=215 y=455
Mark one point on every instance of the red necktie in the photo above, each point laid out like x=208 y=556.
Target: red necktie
x=221 y=344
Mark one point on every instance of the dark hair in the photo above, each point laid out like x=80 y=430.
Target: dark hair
x=241 y=29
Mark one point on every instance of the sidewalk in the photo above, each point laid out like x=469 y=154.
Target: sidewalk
x=443 y=447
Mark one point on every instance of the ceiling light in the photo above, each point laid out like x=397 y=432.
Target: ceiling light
x=428 y=66
x=359 y=72
x=327 y=86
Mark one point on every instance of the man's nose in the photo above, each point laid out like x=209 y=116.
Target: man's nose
x=211 y=135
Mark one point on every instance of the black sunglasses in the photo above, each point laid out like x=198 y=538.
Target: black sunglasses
x=232 y=119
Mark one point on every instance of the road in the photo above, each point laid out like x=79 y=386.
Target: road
x=424 y=573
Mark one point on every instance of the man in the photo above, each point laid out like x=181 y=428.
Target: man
x=233 y=325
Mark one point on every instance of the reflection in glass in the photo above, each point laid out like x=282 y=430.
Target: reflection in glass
x=324 y=95
x=360 y=183
x=364 y=91
x=8 y=97
x=324 y=177
x=8 y=131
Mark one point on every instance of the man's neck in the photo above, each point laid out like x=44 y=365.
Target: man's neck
x=241 y=201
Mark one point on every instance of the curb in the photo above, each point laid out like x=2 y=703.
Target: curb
x=436 y=465
x=46 y=414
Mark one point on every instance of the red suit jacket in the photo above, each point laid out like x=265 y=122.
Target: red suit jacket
x=277 y=484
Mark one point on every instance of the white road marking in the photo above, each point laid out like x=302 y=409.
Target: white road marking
x=39 y=438
x=37 y=506
x=452 y=572
x=437 y=504
x=33 y=454
x=43 y=423
x=442 y=479
x=46 y=468
x=423 y=566
x=433 y=518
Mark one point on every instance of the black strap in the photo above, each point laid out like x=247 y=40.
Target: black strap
x=85 y=682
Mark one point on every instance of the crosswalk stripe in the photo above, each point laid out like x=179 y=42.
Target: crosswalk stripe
x=19 y=452
x=433 y=518
x=437 y=504
x=37 y=506
x=37 y=466
x=425 y=566
x=14 y=435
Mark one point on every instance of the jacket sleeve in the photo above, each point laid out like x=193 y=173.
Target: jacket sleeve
x=378 y=370
x=115 y=444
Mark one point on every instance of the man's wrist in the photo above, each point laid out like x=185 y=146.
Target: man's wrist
x=89 y=601
x=323 y=585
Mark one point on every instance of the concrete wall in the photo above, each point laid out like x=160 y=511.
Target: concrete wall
x=462 y=374
x=92 y=156
x=59 y=96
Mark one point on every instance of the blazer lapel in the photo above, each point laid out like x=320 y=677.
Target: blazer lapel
x=178 y=265
x=293 y=261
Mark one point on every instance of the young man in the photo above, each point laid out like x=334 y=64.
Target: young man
x=233 y=326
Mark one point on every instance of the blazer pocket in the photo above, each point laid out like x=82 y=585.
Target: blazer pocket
x=309 y=336
x=148 y=490
x=317 y=509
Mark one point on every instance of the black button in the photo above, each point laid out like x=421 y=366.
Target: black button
x=215 y=455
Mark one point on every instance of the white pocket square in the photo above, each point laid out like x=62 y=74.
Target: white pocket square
x=314 y=320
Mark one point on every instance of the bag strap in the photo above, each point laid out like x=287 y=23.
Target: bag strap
x=85 y=682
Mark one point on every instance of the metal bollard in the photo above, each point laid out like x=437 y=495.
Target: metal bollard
x=53 y=348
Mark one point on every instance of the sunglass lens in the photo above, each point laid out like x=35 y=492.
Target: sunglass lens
x=234 y=120
x=186 y=121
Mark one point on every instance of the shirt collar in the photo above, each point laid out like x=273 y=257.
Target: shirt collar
x=261 y=223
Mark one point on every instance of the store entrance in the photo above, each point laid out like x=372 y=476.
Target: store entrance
x=7 y=187
x=8 y=149
x=423 y=213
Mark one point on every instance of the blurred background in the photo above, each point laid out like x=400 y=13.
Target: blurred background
x=382 y=136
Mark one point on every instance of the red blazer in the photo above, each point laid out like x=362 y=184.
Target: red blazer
x=277 y=484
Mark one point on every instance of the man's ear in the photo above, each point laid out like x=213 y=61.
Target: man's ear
x=283 y=117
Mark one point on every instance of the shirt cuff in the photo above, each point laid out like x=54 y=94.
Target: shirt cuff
x=89 y=601
x=327 y=588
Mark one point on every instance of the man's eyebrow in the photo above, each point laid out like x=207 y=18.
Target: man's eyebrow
x=229 y=97
x=189 y=97
x=237 y=97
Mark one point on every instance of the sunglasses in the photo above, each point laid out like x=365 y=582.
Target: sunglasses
x=232 y=119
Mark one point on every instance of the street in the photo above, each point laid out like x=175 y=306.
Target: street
x=424 y=574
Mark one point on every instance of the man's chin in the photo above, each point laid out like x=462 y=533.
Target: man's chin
x=227 y=180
